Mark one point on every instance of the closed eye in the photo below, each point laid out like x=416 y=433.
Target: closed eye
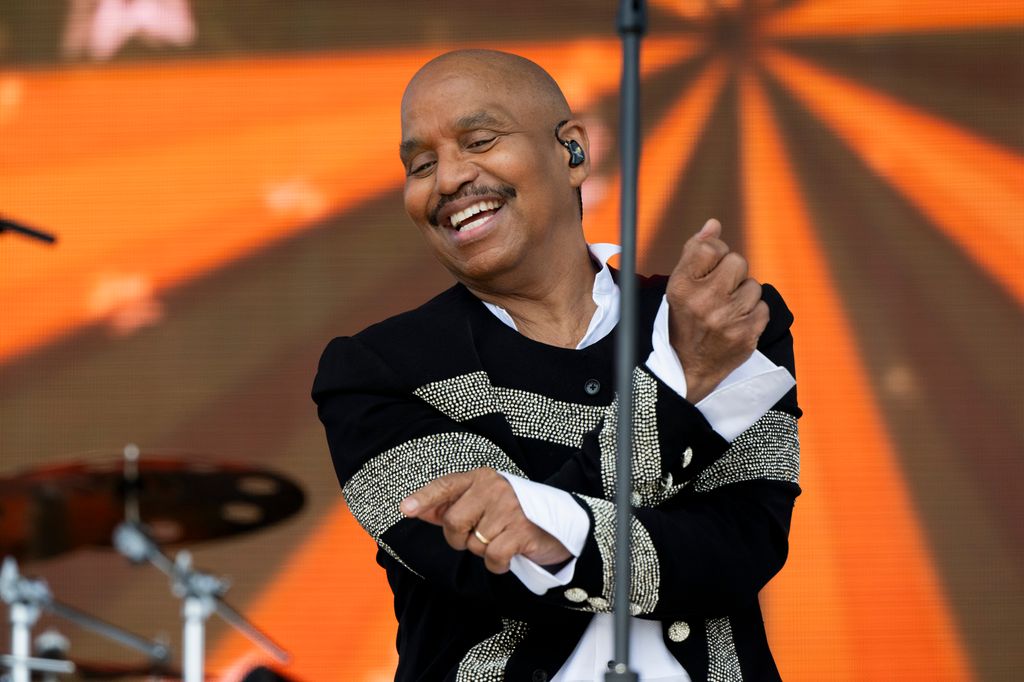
x=421 y=169
x=481 y=141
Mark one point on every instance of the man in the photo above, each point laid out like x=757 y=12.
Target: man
x=474 y=437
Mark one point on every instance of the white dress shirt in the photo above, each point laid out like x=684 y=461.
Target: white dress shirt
x=735 y=404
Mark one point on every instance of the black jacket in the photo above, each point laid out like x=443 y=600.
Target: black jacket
x=447 y=387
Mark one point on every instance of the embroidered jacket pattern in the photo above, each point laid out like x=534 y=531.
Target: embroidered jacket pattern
x=447 y=387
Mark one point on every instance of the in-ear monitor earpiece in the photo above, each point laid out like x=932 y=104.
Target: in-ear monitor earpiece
x=576 y=155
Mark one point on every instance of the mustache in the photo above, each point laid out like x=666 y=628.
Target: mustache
x=504 y=191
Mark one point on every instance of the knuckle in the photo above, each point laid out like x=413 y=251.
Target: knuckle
x=711 y=249
x=453 y=538
x=718 y=319
x=763 y=315
x=734 y=260
x=455 y=521
x=442 y=486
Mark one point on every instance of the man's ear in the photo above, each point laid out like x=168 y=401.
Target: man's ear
x=573 y=131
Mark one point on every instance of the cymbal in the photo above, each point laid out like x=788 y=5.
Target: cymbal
x=51 y=510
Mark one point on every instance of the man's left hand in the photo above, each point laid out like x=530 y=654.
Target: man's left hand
x=479 y=512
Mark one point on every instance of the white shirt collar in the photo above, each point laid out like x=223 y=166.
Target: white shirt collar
x=606 y=298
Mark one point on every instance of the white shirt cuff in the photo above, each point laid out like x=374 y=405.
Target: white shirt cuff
x=556 y=512
x=741 y=399
x=663 y=361
x=745 y=395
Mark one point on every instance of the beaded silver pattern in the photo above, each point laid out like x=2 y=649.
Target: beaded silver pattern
x=723 y=662
x=532 y=415
x=645 y=578
x=679 y=631
x=374 y=492
x=394 y=555
x=649 y=487
x=460 y=398
x=486 y=661
x=768 y=450
x=529 y=415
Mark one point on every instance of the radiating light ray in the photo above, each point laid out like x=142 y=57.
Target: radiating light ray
x=92 y=112
x=805 y=609
x=168 y=214
x=172 y=206
x=666 y=152
x=873 y=17
x=971 y=189
x=329 y=606
x=881 y=556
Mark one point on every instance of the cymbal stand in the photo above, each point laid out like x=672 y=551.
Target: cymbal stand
x=202 y=595
x=26 y=598
x=22 y=666
x=23 y=596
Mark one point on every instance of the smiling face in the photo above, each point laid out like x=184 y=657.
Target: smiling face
x=487 y=182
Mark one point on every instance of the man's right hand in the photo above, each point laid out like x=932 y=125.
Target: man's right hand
x=716 y=314
x=479 y=505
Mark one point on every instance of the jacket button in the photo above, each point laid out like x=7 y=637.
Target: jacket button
x=540 y=676
x=678 y=631
x=592 y=386
x=687 y=457
x=575 y=594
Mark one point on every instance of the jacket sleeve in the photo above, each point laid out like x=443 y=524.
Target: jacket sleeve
x=707 y=541
x=385 y=444
x=713 y=545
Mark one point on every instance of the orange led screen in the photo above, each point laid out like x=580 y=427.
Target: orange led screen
x=224 y=184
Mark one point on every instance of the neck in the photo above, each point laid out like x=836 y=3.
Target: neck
x=552 y=306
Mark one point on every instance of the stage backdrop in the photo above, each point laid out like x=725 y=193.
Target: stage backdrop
x=224 y=180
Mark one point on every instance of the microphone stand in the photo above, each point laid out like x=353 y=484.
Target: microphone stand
x=632 y=23
x=24 y=230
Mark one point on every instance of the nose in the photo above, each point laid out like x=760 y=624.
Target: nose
x=453 y=171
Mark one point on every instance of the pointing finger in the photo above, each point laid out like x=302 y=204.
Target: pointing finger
x=438 y=493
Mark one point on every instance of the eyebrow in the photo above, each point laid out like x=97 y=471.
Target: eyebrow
x=408 y=145
x=477 y=119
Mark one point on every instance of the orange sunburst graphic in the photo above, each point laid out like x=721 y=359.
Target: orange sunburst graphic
x=870 y=155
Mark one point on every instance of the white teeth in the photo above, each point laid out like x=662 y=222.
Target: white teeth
x=473 y=223
x=466 y=213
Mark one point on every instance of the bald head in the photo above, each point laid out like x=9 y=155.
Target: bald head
x=515 y=75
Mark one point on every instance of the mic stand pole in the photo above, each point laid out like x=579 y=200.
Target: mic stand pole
x=31 y=232
x=632 y=23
